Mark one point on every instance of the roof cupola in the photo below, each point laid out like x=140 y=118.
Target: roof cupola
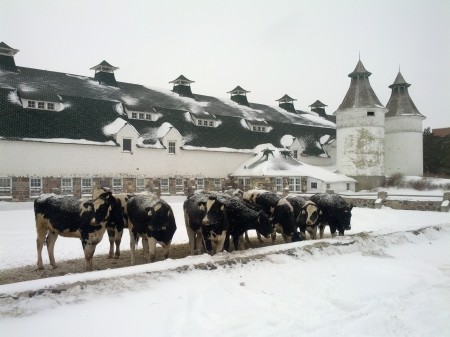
x=360 y=94
x=319 y=108
x=287 y=103
x=104 y=74
x=7 y=58
x=182 y=86
x=400 y=103
x=239 y=96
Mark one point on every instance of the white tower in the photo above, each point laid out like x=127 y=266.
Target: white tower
x=403 y=132
x=360 y=132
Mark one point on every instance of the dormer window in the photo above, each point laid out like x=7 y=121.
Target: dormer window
x=40 y=105
x=206 y=122
x=147 y=116
x=50 y=106
x=32 y=104
x=259 y=126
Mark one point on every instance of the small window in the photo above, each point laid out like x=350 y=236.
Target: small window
x=117 y=185
x=140 y=184
x=200 y=183
x=211 y=123
x=370 y=113
x=86 y=185
x=295 y=154
x=295 y=184
x=5 y=186
x=126 y=146
x=217 y=184
x=41 y=105
x=66 y=186
x=141 y=115
x=164 y=185
x=328 y=186
x=199 y=122
x=205 y=123
x=148 y=117
x=279 y=184
x=244 y=183
x=134 y=115
x=179 y=185
x=172 y=147
x=35 y=186
x=254 y=128
x=263 y=128
x=32 y=104
x=50 y=106
x=313 y=186
x=348 y=187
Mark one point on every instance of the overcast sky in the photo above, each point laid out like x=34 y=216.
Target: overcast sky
x=305 y=49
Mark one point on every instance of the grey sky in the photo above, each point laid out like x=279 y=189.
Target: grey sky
x=304 y=49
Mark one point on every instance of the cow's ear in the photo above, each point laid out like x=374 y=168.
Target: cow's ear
x=303 y=212
x=88 y=205
x=320 y=212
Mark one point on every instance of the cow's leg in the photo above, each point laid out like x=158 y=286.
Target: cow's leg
x=145 y=247
x=111 y=234
x=246 y=237
x=166 y=250
x=133 y=238
x=199 y=247
x=151 y=245
x=220 y=242
x=273 y=236
x=117 y=241
x=333 y=230
x=322 y=230
x=51 y=239
x=41 y=231
x=236 y=242
x=313 y=233
x=89 y=250
x=259 y=237
x=241 y=243
x=192 y=239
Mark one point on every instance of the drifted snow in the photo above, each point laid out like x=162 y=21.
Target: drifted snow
x=114 y=127
x=69 y=141
x=287 y=140
x=163 y=129
x=14 y=98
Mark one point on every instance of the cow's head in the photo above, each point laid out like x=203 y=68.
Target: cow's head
x=283 y=218
x=264 y=225
x=102 y=205
x=309 y=215
x=215 y=222
x=161 y=218
x=346 y=216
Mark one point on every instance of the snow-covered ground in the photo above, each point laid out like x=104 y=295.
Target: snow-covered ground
x=389 y=276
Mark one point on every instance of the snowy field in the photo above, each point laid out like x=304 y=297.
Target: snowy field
x=389 y=276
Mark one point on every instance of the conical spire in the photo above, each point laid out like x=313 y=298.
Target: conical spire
x=360 y=94
x=400 y=103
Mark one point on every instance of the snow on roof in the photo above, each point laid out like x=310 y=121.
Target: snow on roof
x=276 y=165
x=187 y=102
x=69 y=141
x=163 y=129
x=114 y=127
x=287 y=140
x=14 y=98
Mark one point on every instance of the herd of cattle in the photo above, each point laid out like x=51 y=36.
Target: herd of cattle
x=211 y=218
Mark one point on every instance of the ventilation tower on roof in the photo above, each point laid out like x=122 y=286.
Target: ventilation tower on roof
x=104 y=74
x=239 y=96
x=182 y=86
x=7 y=58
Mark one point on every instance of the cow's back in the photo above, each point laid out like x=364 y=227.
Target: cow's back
x=62 y=213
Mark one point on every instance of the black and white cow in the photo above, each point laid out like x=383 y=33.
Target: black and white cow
x=118 y=221
x=336 y=212
x=284 y=221
x=194 y=208
x=309 y=219
x=152 y=219
x=71 y=217
x=266 y=200
x=229 y=216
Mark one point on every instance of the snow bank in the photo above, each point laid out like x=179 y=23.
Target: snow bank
x=114 y=127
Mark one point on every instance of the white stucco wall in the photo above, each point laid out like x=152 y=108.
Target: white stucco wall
x=360 y=141
x=404 y=145
x=26 y=158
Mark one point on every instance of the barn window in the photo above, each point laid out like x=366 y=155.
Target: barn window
x=244 y=183
x=348 y=187
x=32 y=104
x=328 y=186
x=5 y=187
x=141 y=115
x=172 y=147
x=179 y=185
x=200 y=183
x=134 y=115
x=126 y=145
x=66 y=186
x=140 y=184
x=313 y=186
x=86 y=185
x=295 y=184
x=117 y=185
x=217 y=184
x=41 y=105
x=370 y=113
x=35 y=186
x=295 y=154
x=148 y=117
x=279 y=184
x=50 y=106
x=164 y=185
